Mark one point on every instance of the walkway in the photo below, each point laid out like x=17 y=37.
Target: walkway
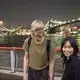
x=7 y=75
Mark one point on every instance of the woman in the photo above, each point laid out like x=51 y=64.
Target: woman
x=71 y=61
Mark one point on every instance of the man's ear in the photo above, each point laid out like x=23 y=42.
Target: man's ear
x=43 y=33
x=32 y=33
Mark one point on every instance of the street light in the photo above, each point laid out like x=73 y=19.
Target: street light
x=1 y=22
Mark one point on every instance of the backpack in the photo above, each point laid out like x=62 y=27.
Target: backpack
x=47 y=46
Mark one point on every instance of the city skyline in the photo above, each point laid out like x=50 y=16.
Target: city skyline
x=25 y=11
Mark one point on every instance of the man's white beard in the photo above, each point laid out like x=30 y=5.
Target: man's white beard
x=39 y=40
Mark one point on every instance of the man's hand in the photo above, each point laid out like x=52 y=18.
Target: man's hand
x=25 y=76
x=51 y=77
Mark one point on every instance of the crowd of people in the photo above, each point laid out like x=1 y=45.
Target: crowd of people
x=39 y=55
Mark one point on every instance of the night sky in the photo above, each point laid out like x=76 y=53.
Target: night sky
x=15 y=12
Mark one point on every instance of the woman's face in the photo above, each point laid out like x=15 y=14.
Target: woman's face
x=67 y=49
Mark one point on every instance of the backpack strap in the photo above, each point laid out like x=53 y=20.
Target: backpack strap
x=29 y=42
x=48 y=47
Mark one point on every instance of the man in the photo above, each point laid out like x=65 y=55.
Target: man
x=67 y=34
x=36 y=63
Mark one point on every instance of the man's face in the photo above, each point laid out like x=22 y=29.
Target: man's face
x=38 y=33
x=67 y=49
x=67 y=34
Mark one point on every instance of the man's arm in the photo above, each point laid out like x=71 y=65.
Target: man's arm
x=51 y=59
x=51 y=68
x=25 y=65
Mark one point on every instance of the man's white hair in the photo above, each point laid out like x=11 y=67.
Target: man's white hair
x=37 y=24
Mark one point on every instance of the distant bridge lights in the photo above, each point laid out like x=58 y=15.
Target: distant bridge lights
x=78 y=18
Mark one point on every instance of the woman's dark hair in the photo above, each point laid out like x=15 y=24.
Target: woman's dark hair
x=73 y=43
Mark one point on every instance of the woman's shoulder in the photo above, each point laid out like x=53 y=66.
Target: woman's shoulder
x=77 y=57
x=76 y=60
x=76 y=66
